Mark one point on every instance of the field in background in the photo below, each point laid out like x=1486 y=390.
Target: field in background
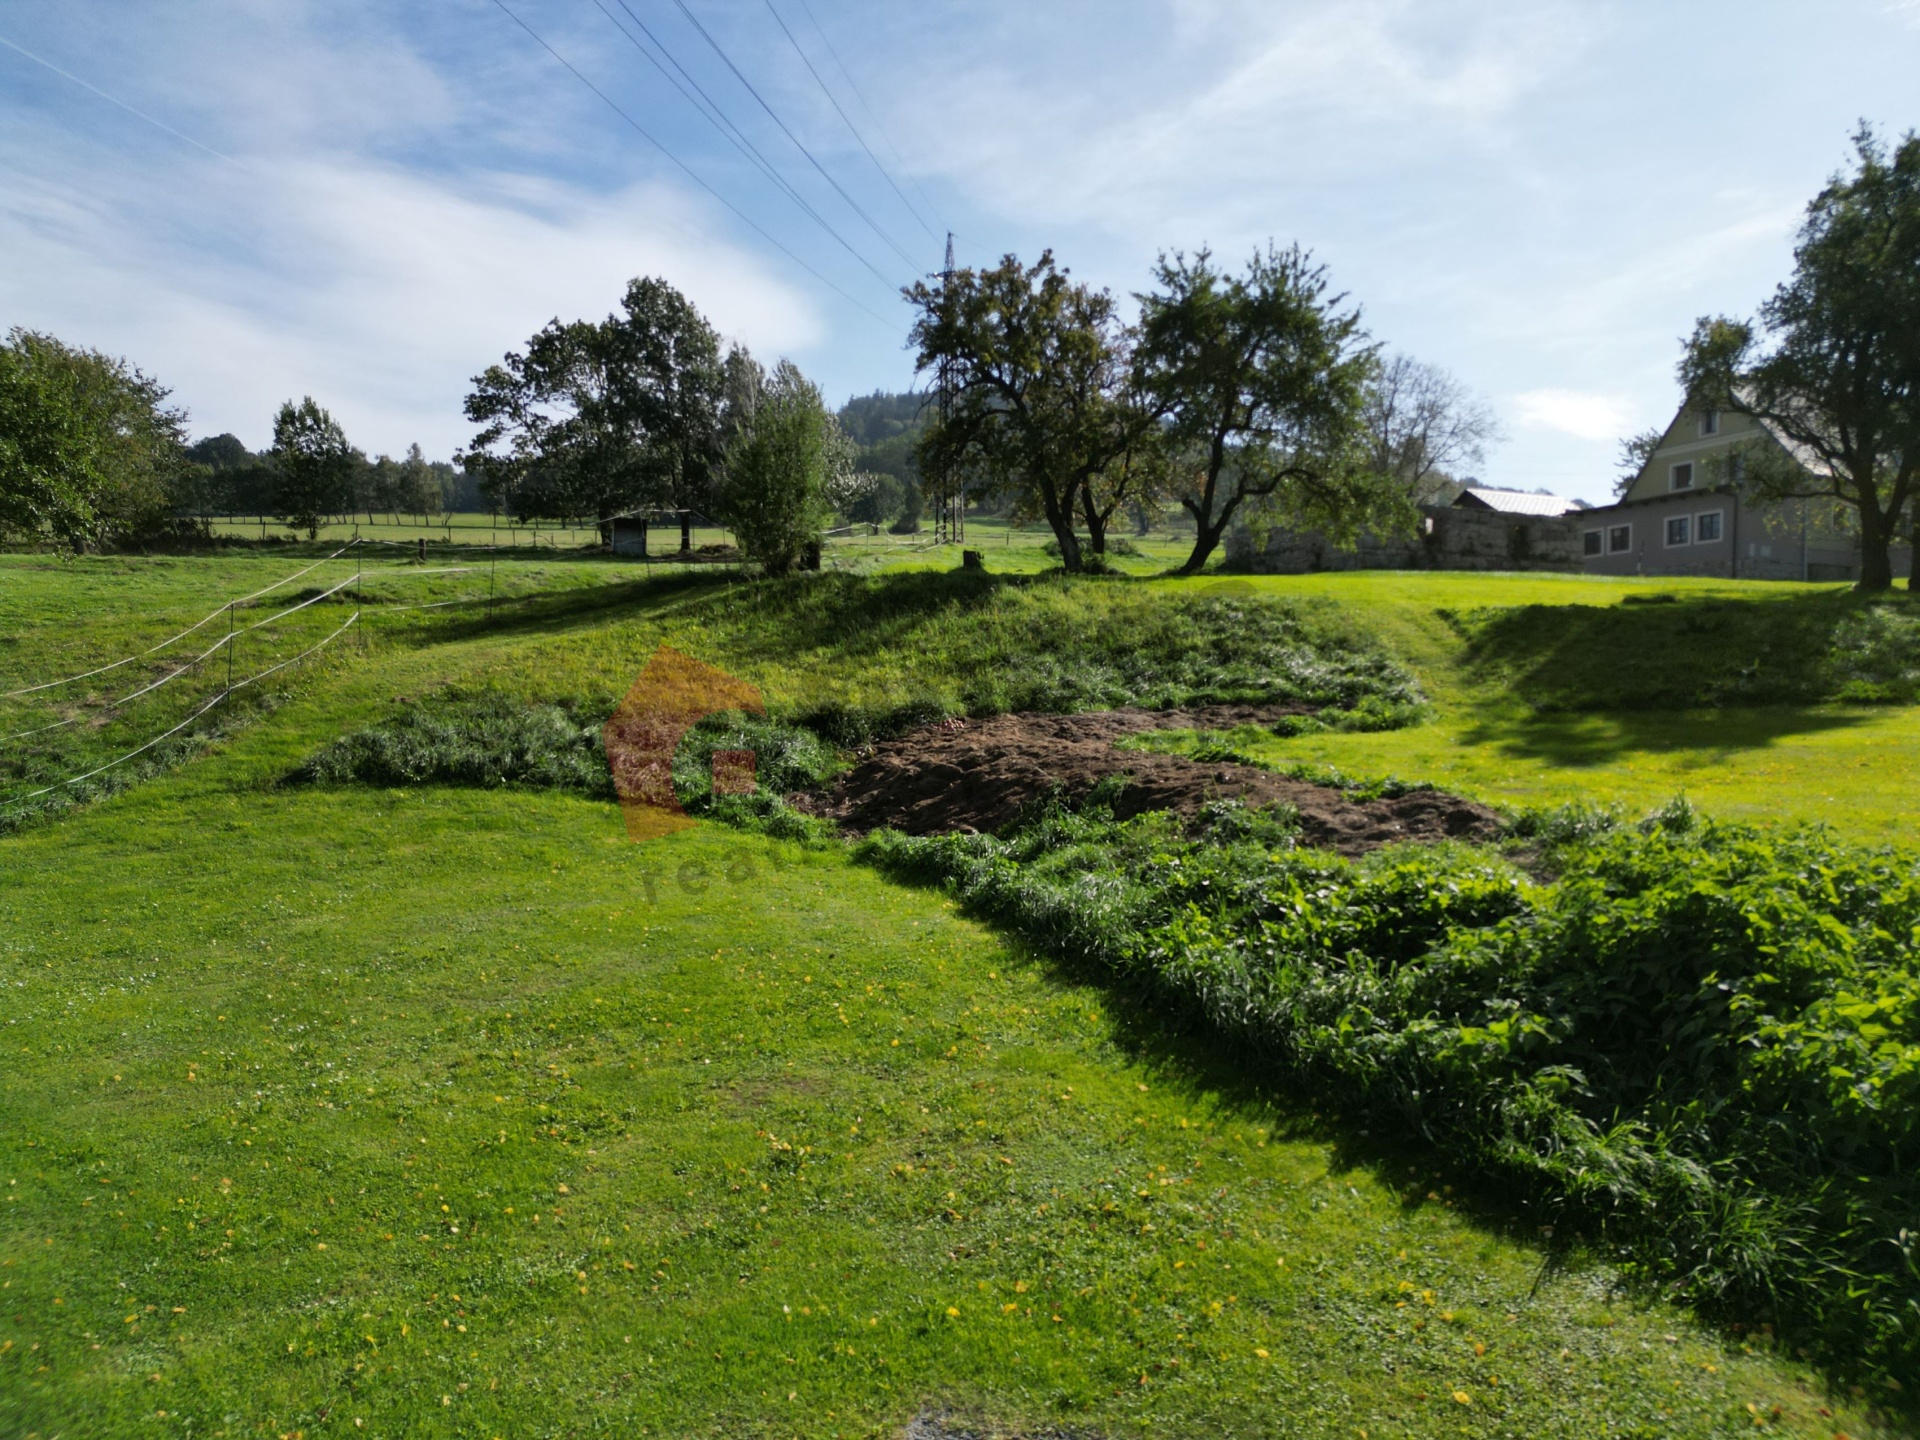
x=1012 y=548
x=458 y=529
x=454 y=1112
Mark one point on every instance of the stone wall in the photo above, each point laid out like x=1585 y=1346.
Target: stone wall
x=1449 y=538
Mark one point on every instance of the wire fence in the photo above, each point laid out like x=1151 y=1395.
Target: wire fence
x=98 y=720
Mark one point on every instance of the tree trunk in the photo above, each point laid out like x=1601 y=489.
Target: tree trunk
x=1206 y=528
x=1205 y=541
x=1876 y=565
x=1913 y=570
x=1096 y=523
x=1060 y=520
x=686 y=532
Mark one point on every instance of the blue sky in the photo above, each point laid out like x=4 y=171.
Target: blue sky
x=369 y=203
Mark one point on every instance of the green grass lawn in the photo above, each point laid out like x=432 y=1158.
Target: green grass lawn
x=703 y=1136
x=1844 y=765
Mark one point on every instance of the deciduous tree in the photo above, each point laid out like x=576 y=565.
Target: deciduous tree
x=1833 y=364
x=1635 y=451
x=598 y=419
x=1040 y=401
x=1424 y=427
x=1263 y=375
x=785 y=456
x=313 y=463
x=90 y=452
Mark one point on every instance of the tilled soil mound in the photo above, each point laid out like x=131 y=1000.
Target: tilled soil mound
x=978 y=775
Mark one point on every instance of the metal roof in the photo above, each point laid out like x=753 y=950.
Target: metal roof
x=1515 y=502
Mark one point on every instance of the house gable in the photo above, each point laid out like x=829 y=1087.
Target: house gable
x=1689 y=443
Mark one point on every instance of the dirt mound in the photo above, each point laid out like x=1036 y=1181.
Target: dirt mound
x=978 y=775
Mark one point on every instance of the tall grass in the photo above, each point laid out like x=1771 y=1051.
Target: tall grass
x=856 y=656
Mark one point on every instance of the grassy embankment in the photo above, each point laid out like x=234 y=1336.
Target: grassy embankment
x=1547 y=689
x=457 y=1058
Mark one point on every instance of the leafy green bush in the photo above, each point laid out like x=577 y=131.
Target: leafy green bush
x=1701 y=1047
x=786 y=758
x=485 y=741
x=494 y=740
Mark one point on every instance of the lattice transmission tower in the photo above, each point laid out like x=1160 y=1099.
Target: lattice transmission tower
x=950 y=503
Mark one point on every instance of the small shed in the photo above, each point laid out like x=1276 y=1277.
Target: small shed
x=630 y=536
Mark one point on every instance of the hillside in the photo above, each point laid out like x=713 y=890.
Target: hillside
x=448 y=1109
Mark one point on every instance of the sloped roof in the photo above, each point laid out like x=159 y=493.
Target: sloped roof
x=1514 y=502
x=1803 y=455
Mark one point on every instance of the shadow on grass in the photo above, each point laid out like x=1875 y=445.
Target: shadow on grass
x=1166 y=1036
x=556 y=612
x=1173 y=1042
x=1704 y=739
x=1796 y=649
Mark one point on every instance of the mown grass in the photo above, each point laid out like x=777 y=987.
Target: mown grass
x=209 y=973
x=1535 y=721
x=300 y=1083
x=62 y=618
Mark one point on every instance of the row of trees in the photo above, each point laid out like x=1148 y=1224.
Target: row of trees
x=312 y=472
x=1232 y=396
x=1231 y=391
x=93 y=455
x=642 y=411
x=1254 y=389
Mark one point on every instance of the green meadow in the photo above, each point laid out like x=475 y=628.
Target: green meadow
x=450 y=1111
x=1630 y=705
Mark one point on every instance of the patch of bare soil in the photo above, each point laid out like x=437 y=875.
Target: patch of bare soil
x=978 y=775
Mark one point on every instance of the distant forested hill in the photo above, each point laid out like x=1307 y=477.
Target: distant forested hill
x=886 y=426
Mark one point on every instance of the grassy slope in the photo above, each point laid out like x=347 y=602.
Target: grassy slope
x=1842 y=764
x=348 y=980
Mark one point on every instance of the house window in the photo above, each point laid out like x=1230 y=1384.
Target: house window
x=1710 y=422
x=1590 y=541
x=1619 y=539
x=1679 y=528
x=1706 y=527
x=1681 y=477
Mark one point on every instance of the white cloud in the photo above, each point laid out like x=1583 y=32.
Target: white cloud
x=1581 y=414
x=1235 y=102
x=376 y=290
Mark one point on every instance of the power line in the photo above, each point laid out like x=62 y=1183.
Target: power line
x=811 y=160
x=848 y=121
x=642 y=131
x=724 y=124
x=140 y=114
x=854 y=86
